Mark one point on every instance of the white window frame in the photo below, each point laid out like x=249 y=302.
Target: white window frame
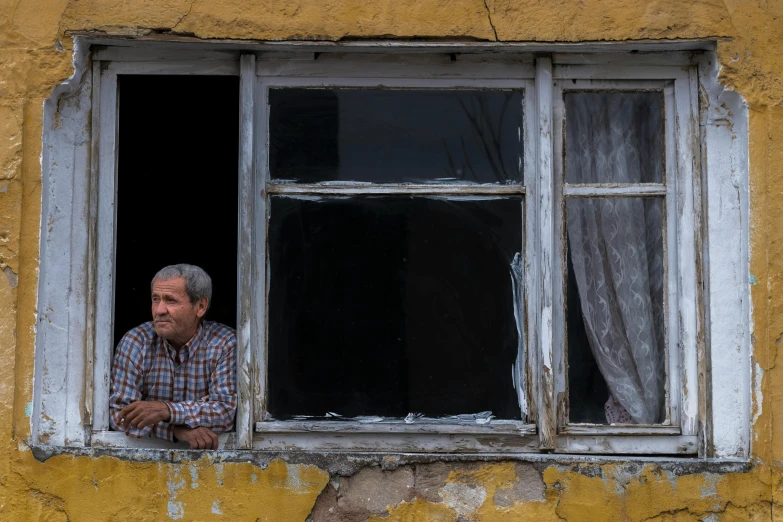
x=678 y=434
x=79 y=416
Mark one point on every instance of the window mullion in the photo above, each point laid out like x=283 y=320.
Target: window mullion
x=546 y=255
x=245 y=335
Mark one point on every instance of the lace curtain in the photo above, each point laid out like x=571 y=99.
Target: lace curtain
x=616 y=246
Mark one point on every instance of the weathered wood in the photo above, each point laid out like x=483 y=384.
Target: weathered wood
x=212 y=67
x=106 y=247
x=154 y=42
x=618 y=429
x=245 y=254
x=166 y=55
x=701 y=359
x=628 y=445
x=560 y=350
x=671 y=295
x=532 y=366
x=666 y=59
x=397 y=426
x=92 y=247
x=687 y=156
x=398 y=442
x=260 y=273
x=455 y=82
x=546 y=255
x=620 y=72
x=117 y=439
x=614 y=189
x=356 y=189
x=392 y=68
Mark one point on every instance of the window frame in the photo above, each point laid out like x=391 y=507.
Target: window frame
x=679 y=433
x=543 y=230
x=274 y=72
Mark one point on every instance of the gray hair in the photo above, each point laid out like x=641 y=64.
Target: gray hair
x=198 y=284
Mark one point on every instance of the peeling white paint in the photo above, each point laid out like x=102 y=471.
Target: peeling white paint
x=219 y=473
x=462 y=498
x=216 y=508
x=174 y=483
x=724 y=134
x=710 y=489
x=193 y=476
x=757 y=402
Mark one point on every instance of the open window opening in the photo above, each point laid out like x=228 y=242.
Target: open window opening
x=178 y=138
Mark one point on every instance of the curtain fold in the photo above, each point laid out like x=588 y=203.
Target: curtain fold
x=616 y=246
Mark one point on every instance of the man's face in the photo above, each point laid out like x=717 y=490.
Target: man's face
x=174 y=317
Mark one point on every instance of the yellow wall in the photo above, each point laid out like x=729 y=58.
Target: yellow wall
x=35 y=56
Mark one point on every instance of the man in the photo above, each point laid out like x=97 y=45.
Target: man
x=175 y=377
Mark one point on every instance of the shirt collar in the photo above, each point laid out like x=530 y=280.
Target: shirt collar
x=187 y=350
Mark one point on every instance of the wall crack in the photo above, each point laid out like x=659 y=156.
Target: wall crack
x=173 y=27
x=489 y=18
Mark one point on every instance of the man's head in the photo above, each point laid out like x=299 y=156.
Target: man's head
x=181 y=295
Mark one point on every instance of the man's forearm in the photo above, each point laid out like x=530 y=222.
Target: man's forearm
x=216 y=415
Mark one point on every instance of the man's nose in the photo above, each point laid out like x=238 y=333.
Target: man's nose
x=159 y=309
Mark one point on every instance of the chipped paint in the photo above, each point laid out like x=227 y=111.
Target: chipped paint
x=36 y=58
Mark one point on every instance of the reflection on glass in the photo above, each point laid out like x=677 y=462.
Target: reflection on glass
x=395 y=136
x=614 y=137
x=392 y=305
x=615 y=316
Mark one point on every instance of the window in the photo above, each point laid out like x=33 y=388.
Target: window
x=435 y=251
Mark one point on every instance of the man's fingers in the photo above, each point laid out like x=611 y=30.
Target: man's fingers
x=214 y=437
x=130 y=416
x=126 y=411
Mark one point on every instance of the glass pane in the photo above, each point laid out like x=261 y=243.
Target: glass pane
x=615 y=314
x=395 y=136
x=392 y=305
x=614 y=137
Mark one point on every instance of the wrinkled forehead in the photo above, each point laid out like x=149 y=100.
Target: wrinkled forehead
x=173 y=286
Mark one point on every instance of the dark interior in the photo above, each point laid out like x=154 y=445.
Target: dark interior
x=395 y=135
x=176 y=189
x=587 y=391
x=392 y=305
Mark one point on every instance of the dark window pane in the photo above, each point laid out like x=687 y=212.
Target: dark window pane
x=395 y=136
x=176 y=189
x=615 y=312
x=392 y=305
x=614 y=137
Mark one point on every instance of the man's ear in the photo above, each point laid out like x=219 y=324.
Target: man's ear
x=201 y=307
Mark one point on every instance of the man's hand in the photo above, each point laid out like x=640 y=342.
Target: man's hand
x=198 y=438
x=140 y=414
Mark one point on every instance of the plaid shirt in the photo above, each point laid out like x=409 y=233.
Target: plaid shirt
x=199 y=391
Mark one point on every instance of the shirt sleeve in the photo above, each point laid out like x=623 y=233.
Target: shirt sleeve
x=216 y=411
x=127 y=379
